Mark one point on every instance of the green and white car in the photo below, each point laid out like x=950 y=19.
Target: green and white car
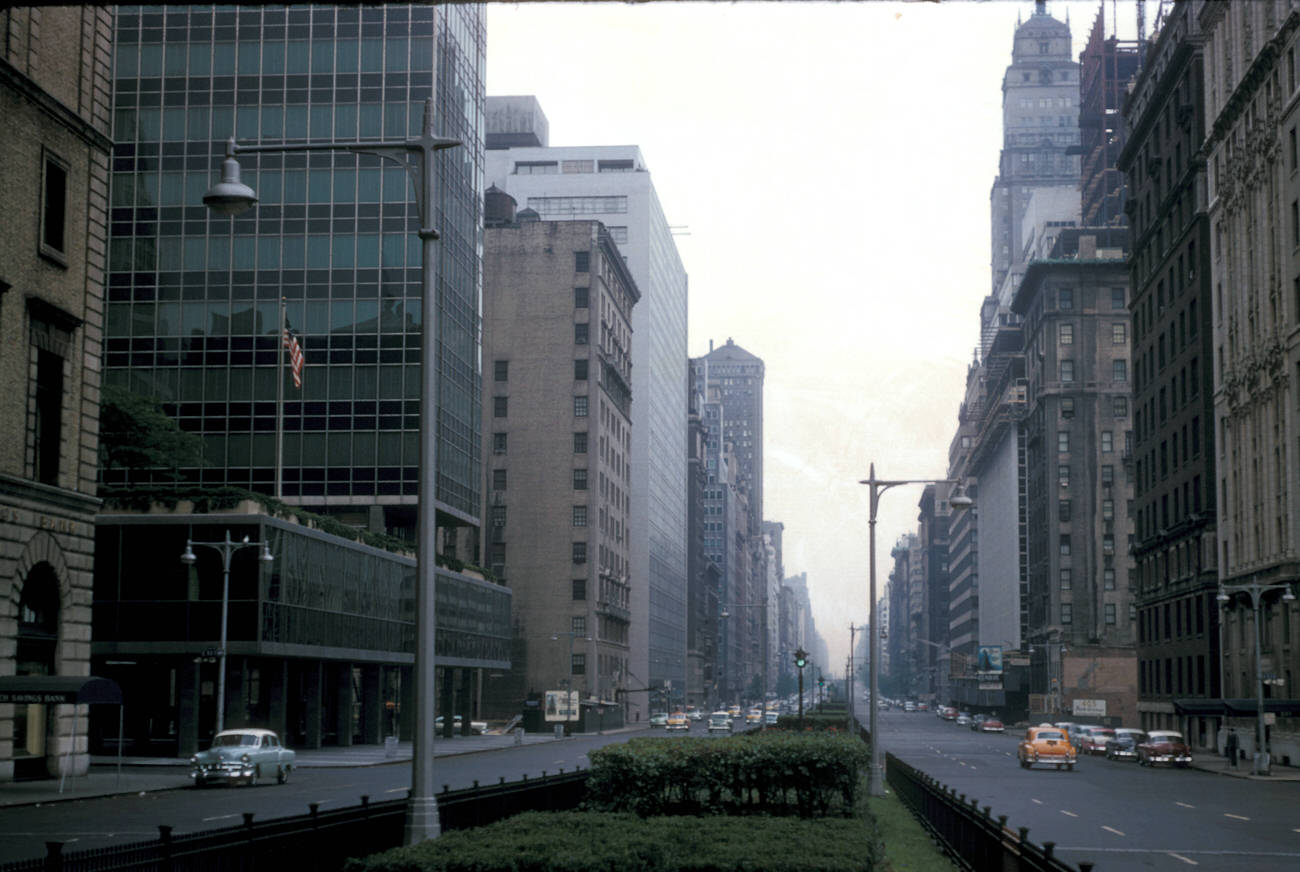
x=244 y=755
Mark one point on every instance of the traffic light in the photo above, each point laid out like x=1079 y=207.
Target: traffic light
x=800 y=658
x=821 y=682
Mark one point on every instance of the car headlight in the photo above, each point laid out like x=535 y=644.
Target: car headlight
x=194 y=761
x=244 y=758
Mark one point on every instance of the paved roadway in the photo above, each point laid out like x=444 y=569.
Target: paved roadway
x=1118 y=815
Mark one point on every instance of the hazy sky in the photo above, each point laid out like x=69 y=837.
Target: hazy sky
x=827 y=167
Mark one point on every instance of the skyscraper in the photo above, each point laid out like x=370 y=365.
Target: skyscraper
x=192 y=317
x=612 y=184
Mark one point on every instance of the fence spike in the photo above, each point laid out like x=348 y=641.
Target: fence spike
x=248 y=818
x=1085 y=866
x=446 y=788
x=1024 y=834
x=1048 y=848
x=315 y=808
x=988 y=811
x=365 y=800
x=503 y=780
x=476 y=784
x=164 y=833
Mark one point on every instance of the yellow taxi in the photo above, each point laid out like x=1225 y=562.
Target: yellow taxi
x=733 y=710
x=678 y=721
x=1046 y=744
x=754 y=716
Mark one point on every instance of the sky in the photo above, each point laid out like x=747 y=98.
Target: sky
x=827 y=168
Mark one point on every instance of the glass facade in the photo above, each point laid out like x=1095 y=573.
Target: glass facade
x=193 y=297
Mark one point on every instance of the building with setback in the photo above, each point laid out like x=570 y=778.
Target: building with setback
x=1174 y=546
x=612 y=184
x=557 y=335
x=54 y=97
x=1252 y=120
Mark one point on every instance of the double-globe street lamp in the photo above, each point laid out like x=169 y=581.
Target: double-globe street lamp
x=1255 y=591
x=230 y=196
x=957 y=500
x=226 y=549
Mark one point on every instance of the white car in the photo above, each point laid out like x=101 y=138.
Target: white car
x=242 y=756
x=478 y=728
x=720 y=722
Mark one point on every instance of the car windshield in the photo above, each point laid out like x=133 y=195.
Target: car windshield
x=1166 y=737
x=1049 y=734
x=234 y=740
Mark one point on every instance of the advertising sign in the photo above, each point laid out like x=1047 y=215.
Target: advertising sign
x=1090 y=708
x=989 y=663
x=562 y=705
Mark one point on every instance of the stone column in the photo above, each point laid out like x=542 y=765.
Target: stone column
x=372 y=705
x=188 y=728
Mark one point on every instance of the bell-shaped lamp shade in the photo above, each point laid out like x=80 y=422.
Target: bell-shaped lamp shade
x=188 y=557
x=229 y=196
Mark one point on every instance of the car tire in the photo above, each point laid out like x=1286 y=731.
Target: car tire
x=252 y=779
x=1069 y=767
x=281 y=774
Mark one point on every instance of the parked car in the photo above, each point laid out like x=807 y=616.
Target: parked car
x=1071 y=730
x=963 y=719
x=242 y=755
x=1164 y=746
x=1093 y=740
x=677 y=721
x=977 y=719
x=694 y=714
x=1124 y=745
x=478 y=728
x=1046 y=743
x=909 y=706
x=922 y=706
x=992 y=725
x=659 y=719
x=947 y=713
x=754 y=716
x=771 y=717
x=720 y=722
x=733 y=711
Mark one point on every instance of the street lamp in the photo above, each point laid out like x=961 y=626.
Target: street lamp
x=230 y=196
x=848 y=675
x=555 y=637
x=226 y=549
x=1256 y=591
x=763 y=605
x=958 y=500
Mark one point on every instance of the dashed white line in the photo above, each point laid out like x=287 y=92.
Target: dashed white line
x=1236 y=817
x=1069 y=813
x=220 y=817
x=1112 y=830
x=1036 y=801
x=397 y=790
x=1188 y=860
x=1184 y=805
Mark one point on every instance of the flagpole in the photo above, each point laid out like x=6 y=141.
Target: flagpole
x=279 y=404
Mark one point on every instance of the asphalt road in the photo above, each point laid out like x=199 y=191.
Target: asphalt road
x=1118 y=815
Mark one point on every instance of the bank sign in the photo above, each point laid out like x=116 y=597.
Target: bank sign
x=1089 y=708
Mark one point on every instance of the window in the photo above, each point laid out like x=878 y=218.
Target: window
x=580 y=370
x=580 y=553
x=578 y=166
x=1107 y=441
x=48 y=421
x=501 y=370
x=579 y=407
x=579 y=443
x=1063 y=475
x=1108 y=545
x=1108 y=579
x=582 y=261
x=1065 y=578
x=498 y=516
x=580 y=298
x=499 y=444
x=1067 y=613
x=1119 y=370
x=1063 y=441
x=1119 y=407
x=497 y=557
x=1066 y=333
x=498 y=479
x=1110 y=614
x=580 y=334
x=580 y=479
x=54 y=208
x=578 y=666
x=500 y=407
x=1063 y=509
x=1118 y=334
x=1108 y=510
x=578 y=624
x=615 y=166
x=1108 y=475
x=580 y=584
x=536 y=167
x=1065 y=299
x=1065 y=544
x=579 y=516
x=1117 y=298
x=1067 y=370
x=1067 y=407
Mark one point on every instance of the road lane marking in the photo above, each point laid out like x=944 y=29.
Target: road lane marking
x=397 y=790
x=1036 y=801
x=1189 y=861
x=1235 y=817
x=1184 y=805
x=220 y=817
x=1112 y=830
x=1070 y=813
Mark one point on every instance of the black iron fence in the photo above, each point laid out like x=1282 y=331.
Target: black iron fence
x=319 y=841
x=969 y=835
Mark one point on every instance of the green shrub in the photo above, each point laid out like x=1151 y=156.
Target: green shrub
x=596 y=842
x=773 y=772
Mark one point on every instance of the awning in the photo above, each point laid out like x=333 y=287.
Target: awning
x=1237 y=707
x=59 y=689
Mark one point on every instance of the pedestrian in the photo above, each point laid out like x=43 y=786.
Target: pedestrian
x=1230 y=747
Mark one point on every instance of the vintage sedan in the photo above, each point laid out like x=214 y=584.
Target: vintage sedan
x=659 y=719
x=677 y=721
x=992 y=725
x=1125 y=745
x=242 y=755
x=1164 y=746
x=1045 y=744
x=1093 y=740
x=720 y=722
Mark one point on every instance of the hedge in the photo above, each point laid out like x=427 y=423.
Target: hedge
x=599 y=842
x=773 y=772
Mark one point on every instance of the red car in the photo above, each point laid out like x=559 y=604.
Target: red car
x=1094 y=740
x=1164 y=746
x=991 y=725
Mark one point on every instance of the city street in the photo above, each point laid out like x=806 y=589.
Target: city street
x=1115 y=814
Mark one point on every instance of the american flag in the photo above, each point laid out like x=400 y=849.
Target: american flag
x=295 y=355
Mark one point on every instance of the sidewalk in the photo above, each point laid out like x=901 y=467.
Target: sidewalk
x=148 y=774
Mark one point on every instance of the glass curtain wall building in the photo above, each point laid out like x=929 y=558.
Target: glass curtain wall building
x=193 y=297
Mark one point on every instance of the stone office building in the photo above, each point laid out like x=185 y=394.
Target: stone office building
x=54 y=97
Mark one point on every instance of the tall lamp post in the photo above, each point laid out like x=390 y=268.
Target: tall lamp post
x=763 y=605
x=875 y=772
x=555 y=637
x=226 y=549
x=848 y=674
x=1255 y=591
x=230 y=197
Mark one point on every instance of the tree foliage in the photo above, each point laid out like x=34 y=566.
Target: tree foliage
x=135 y=433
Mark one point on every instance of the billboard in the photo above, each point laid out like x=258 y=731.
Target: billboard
x=1091 y=708
x=562 y=705
x=990 y=661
